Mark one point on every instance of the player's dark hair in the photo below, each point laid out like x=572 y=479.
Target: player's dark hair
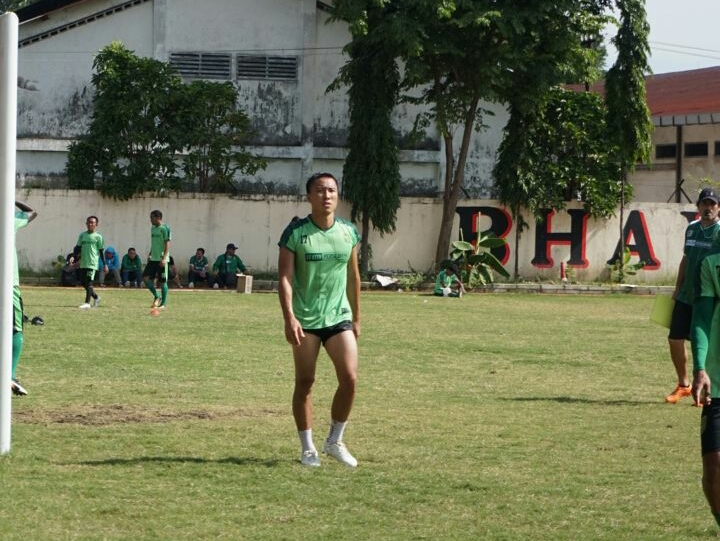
x=91 y=217
x=156 y=214
x=316 y=176
x=200 y=250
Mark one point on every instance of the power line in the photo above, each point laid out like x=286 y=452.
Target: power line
x=678 y=46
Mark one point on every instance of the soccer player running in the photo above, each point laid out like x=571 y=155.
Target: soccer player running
x=706 y=373
x=320 y=299
x=23 y=216
x=157 y=265
x=91 y=245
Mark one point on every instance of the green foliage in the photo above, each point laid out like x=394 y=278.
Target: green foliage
x=371 y=173
x=621 y=268
x=628 y=116
x=476 y=262
x=217 y=132
x=144 y=117
x=558 y=153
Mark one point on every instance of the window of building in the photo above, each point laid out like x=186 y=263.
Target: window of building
x=665 y=151
x=202 y=65
x=717 y=148
x=277 y=68
x=694 y=150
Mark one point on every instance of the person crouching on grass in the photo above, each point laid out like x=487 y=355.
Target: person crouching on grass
x=319 y=290
x=448 y=283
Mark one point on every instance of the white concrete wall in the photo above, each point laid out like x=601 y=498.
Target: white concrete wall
x=255 y=225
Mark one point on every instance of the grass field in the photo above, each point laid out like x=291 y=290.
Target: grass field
x=503 y=417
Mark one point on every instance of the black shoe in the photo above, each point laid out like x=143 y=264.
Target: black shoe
x=17 y=389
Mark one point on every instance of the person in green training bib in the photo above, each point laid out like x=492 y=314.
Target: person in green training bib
x=698 y=241
x=157 y=265
x=705 y=343
x=319 y=288
x=448 y=283
x=23 y=216
x=91 y=245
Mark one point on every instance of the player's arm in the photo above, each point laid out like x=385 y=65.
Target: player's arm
x=166 y=251
x=27 y=208
x=680 y=277
x=353 y=289
x=700 y=335
x=286 y=272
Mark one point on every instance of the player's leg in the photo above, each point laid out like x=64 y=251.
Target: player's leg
x=305 y=359
x=163 y=279
x=679 y=332
x=86 y=278
x=149 y=279
x=343 y=351
x=710 y=442
x=17 y=340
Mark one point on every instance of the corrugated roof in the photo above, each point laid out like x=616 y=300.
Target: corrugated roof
x=679 y=93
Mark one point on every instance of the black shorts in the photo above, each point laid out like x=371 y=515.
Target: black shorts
x=154 y=270
x=710 y=427
x=681 y=321
x=328 y=332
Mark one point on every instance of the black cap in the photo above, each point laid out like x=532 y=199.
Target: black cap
x=708 y=193
x=231 y=246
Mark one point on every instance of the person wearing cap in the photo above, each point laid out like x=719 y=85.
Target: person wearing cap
x=226 y=268
x=699 y=237
x=705 y=341
x=448 y=283
x=319 y=291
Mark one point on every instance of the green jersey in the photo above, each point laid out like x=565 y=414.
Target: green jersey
x=91 y=246
x=320 y=280
x=134 y=264
x=198 y=264
x=159 y=236
x=21 y=220
x=229 y=263
x=698 y=241
x=443 y=281
x=705 y=337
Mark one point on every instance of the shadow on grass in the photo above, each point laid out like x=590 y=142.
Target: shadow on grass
x=571 y=400
x=238 y=461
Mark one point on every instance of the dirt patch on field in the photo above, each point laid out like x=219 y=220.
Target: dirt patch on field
x=109 y=414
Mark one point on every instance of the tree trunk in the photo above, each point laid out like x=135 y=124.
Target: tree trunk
x=365 y=246
x=454 y=176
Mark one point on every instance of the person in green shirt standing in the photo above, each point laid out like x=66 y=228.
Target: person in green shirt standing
x=23 y=216
x=91 y=245
x=705 y=343
x=157 y=265
x=226 y=267
x=319 y=288
x=699 y=236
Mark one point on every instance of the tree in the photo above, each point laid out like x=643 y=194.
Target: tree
x=628 y=117
x=216 y=133
x=371 y=174
x=133 y=135
x=466 y=53
x=143 y=117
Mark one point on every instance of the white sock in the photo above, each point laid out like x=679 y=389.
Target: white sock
x=336 y=431
x=306 y=440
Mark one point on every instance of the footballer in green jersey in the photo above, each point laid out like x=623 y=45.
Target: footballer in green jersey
x=319 y=288
x=92 y=246
x=157 y=265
